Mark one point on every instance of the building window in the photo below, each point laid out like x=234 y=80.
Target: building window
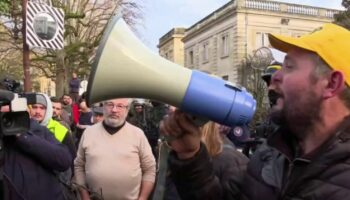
x=171 y=55
x=225 y=77
x=190 y=57
x=205 y=55
x=284 y=21
x=224 y=45
x=262 y=40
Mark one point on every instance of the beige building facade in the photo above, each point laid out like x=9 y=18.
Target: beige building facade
x=221 y=41
x=171 y=46
x=47 y=86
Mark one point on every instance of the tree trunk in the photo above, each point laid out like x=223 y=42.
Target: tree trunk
x=26 y=51
x=60 y=74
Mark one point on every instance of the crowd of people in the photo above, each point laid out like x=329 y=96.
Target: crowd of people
x=66 y=146
x=110 y=150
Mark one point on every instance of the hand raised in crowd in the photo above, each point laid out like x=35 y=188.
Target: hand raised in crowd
x=224 y=129
x=182 y=135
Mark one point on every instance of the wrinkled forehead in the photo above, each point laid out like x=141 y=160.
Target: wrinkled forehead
x=124 y=101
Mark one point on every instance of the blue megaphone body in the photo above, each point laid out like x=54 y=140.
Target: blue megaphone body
x=218 y=100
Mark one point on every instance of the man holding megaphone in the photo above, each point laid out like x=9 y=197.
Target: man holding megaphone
x=310 y=153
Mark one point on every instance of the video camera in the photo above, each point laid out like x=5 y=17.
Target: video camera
x=14 y=118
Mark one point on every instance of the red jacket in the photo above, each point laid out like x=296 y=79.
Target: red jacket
x=75 y=112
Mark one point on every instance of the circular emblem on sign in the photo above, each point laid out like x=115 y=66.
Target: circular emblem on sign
x=238 y=131
x=45 y=26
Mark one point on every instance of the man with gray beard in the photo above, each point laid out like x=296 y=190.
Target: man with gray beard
x=114 y=159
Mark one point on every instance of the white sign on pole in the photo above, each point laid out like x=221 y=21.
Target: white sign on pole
x=45 y=26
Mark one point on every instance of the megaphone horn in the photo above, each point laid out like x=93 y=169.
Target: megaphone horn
x=125 y=68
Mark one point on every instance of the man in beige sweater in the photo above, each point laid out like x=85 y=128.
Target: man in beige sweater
x=114 y=158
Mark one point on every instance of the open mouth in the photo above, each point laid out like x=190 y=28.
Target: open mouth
x=273 y=97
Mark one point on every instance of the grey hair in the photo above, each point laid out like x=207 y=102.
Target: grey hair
x=322 y=69
x=130 y=100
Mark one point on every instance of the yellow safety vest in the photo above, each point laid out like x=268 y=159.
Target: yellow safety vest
x=57 y=129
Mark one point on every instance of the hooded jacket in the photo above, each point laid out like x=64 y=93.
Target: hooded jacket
x=45 y=100
x=60 y=132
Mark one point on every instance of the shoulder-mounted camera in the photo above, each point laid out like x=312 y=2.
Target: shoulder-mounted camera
x=14 y=118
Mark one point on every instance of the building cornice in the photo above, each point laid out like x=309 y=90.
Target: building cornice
x=211 y=21
x=272 y=8
x=173 y=33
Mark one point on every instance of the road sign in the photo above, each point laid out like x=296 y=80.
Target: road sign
x=45 y=26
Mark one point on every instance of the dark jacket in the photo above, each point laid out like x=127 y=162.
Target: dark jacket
x=74 y=85
x=277 y=172
x=225 y=170
x=31 y=161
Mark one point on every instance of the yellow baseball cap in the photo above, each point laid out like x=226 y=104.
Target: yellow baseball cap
x=331 y=42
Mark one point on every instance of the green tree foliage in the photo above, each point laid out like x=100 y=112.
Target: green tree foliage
x=343 y=18
x=5 y=7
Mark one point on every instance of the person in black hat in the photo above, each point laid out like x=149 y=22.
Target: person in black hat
x=266 y=126
x=270 y=70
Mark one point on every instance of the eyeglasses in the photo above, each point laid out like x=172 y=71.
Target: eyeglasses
x=111 y=105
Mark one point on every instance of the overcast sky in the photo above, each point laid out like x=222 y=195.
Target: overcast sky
x=162 y=15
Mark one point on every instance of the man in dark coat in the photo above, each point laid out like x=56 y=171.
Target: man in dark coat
x=74 y=86
x=308 y=156
x=30 y=163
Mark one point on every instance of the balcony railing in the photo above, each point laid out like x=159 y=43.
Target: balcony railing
x=262 y=5
x=331 y=13
x=289 y=8
x=300 y=9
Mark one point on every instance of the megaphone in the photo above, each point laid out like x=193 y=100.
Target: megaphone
x=125 y=68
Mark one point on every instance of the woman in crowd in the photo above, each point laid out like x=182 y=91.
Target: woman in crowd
x=229 y=164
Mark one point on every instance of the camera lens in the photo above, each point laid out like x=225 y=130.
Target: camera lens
x=7 y=121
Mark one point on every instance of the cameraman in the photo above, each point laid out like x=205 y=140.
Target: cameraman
x=30 y=161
